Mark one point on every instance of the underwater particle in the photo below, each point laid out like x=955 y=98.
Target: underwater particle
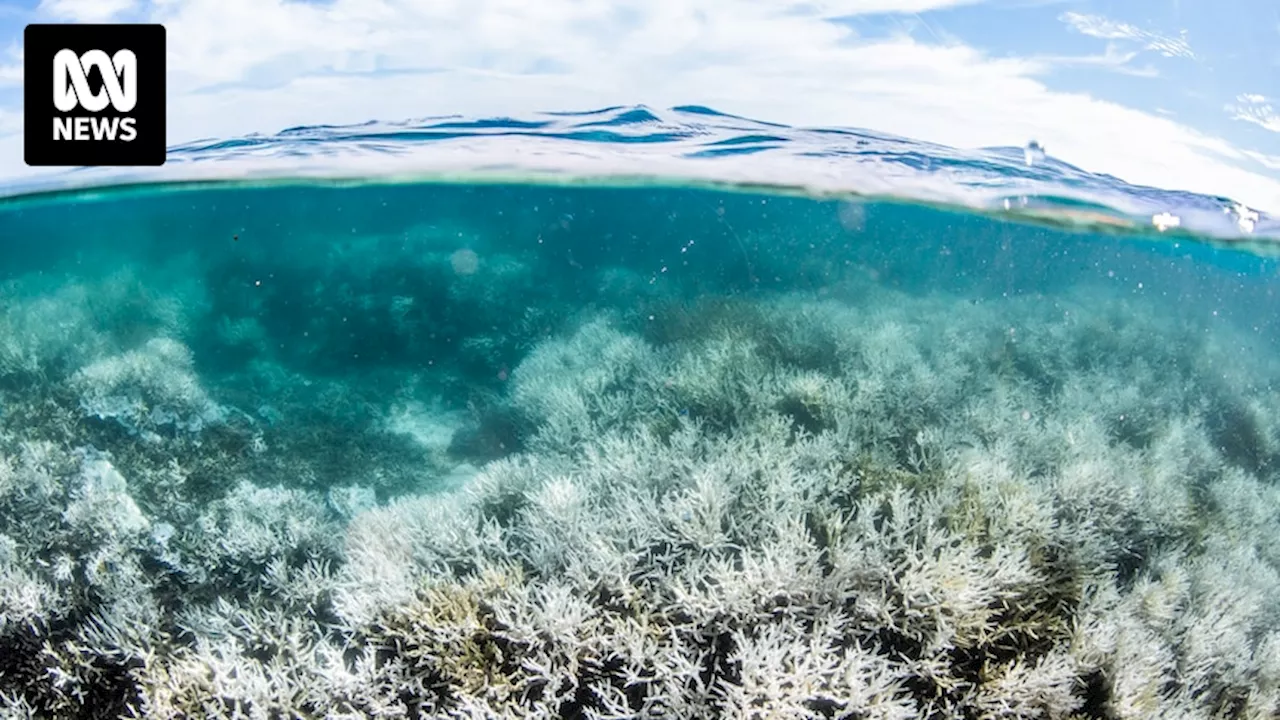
x=1033 y=153
x=464 y=261
x=852 y=215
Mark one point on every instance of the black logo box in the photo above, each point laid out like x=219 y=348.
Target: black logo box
x=41 y=42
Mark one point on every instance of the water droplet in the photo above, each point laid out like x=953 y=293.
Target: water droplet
x=1164 y=221
x=1033 y=153
x=1246 y=219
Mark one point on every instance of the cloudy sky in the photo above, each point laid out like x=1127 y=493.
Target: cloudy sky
x=1182 y=94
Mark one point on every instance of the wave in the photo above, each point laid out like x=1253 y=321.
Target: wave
x=687 y=145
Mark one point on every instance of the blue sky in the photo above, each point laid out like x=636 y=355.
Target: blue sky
x=1177 y=93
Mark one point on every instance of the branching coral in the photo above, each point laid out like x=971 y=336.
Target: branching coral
x=784 y=506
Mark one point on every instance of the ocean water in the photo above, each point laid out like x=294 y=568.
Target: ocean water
x=634 y=414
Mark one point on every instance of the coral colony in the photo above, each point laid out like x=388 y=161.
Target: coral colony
x=433 y=474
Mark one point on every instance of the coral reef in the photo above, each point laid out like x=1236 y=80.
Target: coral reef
x=849 y=501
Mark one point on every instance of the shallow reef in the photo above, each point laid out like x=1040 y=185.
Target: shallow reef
x=747 y=463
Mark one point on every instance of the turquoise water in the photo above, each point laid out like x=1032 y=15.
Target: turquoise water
x=484 y=444
x=691 y=145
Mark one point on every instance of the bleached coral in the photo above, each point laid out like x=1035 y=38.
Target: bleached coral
x=576 y=387
x=983 y=571
x=52 y=328
x=788 y=507
x=147 y=389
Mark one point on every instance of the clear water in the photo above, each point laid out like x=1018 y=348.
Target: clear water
x=634 y=436
x=692 y=145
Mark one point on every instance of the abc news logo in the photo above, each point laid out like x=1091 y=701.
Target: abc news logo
x=94 y=95
x=71 y=90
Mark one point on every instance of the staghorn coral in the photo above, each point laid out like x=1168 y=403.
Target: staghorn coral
x=793 y=507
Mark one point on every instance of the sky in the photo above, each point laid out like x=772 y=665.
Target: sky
x=1179 y=94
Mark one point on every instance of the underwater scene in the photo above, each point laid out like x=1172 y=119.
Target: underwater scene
x=653 y=450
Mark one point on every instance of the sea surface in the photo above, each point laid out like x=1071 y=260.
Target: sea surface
x=634 y=413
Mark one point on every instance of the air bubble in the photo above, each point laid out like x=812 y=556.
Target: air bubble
x=1033 y=153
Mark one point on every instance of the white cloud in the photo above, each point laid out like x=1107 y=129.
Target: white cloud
x=1271 y=162
x=1100 y=27
x=1113 y=58
x=10 y=122
x=1255 y=109
x=239 y=66
x=87 y=11
x=838 y=8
